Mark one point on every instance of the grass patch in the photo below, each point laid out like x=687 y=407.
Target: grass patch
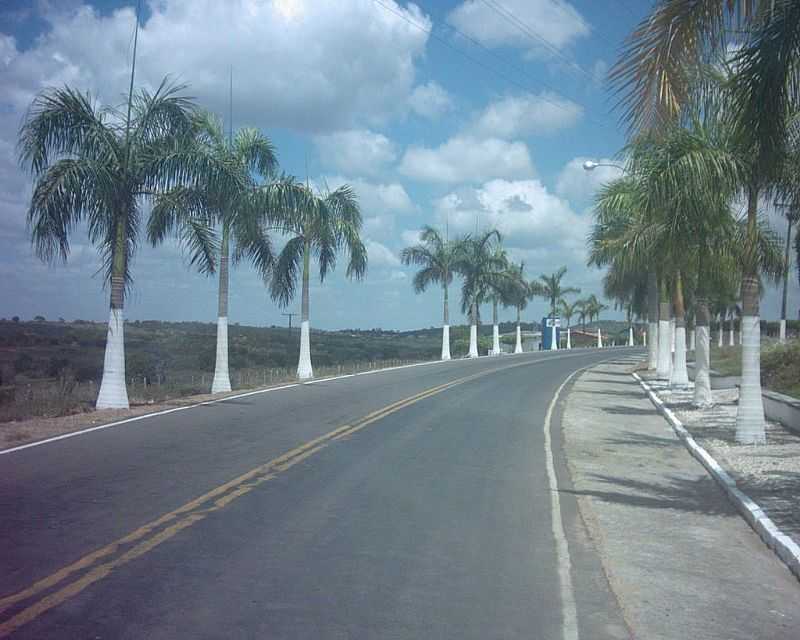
x=780 y=365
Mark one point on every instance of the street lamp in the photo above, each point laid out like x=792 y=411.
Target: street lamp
x=591 y=165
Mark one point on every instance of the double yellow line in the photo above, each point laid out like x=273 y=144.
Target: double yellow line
x=100 y=563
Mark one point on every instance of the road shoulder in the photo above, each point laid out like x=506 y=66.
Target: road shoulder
x=678 y=558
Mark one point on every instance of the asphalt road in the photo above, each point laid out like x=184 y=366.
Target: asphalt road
x=425 y=512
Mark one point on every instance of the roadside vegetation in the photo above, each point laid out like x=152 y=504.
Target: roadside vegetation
x=780 y=365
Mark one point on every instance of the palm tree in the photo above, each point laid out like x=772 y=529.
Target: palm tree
x=435 y=256
x=100 y=166
x=568 y=311
x=517 y=294
x=549 y=286
x=499 y=292
x=478 y=264
x=318 y=225
x=238 y=210
x=655 y=74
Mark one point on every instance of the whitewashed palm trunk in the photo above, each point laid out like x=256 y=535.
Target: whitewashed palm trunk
x=599 y=339
x=652 y=318
x=782 y=331
x=495 y=331
x=702 y=357
x=692 y=339
x=553 y=341
x=304 y=368
x=446 y=327
x=750 y=427
x=473 y=333
x=644 y=338
x=679 y=377
x=222 y=381
x=721 y=333
x=664 y=361
x=630 y=336
x=731 y=336
x=569 y=338
x=672 y=335
x=113 y=393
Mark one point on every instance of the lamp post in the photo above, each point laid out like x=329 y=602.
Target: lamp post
x=591 y=165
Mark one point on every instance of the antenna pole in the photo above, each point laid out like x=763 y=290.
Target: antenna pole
x=230 y=109
x=133 y=70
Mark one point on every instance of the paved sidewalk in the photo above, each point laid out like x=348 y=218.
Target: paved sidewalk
x=680 y=560
x=768 y=473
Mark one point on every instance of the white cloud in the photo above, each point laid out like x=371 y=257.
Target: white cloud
x=555 y=21
x=380 y=255
x=356 y=151
x=580 y=186
x=297 y=64
x=524 y=211
x=527 y=114
x=376 y=198
x=410 y=237
x=430 y=100
x=465 y=158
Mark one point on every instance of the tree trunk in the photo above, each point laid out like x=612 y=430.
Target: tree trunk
x=664 y=361
x=473 y=332
x=721 y=333
x=599 y=339
x=222 y=381
x=731 y=332
x=446 y=325
x=782 y=332
x=113 y=392
x=702 y=354
x=569 y=336
x=518 y=346
x=495 y=331
x=304 y=368
x=679 y=378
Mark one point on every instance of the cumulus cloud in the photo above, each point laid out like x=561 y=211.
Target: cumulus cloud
x=380 y=255
x=580 y=186
x=524 y=211
x=279 y=78
x=527 y=114
x=556 y=22
x=357 y=151
x=430 y=100
x=466 y=158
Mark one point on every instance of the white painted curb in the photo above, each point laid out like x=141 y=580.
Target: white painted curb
x=786 y=548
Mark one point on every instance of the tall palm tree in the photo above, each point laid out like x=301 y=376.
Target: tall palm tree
x=655 y=74
x=478 y=264
x=549 y=286
x=499 y=292
x=238 y=210
x=435 y=256
x=517 y=294
x=101 y=165
x=567 y=312
x=319 y=225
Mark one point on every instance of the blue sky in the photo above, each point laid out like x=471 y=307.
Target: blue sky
x=478 y=111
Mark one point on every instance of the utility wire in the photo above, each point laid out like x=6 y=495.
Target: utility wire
x=511 y=18
x=482 y=64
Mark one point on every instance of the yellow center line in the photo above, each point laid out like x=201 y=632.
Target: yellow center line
x=97 y=563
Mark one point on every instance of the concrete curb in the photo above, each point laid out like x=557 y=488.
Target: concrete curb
x=785 y=548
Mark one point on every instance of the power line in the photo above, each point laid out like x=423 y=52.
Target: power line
x=510 y=17
x=482 y=64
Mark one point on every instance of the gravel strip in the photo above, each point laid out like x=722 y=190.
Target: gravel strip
x=769 y=473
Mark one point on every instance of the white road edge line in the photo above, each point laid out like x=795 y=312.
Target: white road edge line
x=144 y=416
x=569 y=611
x=783 y=546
